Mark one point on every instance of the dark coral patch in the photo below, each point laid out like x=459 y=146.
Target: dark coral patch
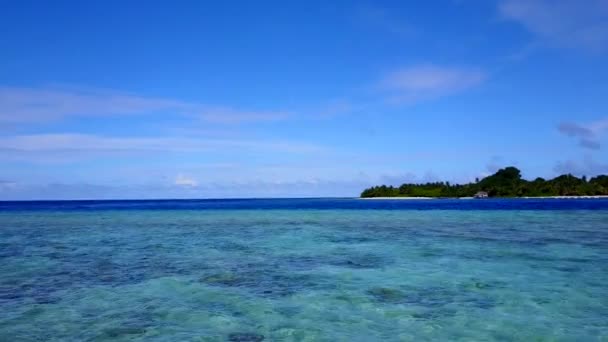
x=245 y=337
x=387 y=295
x=123 y=331
x=264 y=281
x=360 y=261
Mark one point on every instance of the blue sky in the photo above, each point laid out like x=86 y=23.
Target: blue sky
x=159 y=99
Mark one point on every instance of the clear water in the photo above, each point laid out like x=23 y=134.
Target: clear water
x=304 y=270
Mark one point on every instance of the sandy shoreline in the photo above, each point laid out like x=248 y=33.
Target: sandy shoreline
x=430 y=198
x=567 y=197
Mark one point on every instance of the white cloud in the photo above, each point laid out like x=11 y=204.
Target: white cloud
x=35 y=105
x=565 y=23
x=430 y=81
x=183 y=180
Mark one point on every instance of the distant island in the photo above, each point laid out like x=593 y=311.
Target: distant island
x=505 y=182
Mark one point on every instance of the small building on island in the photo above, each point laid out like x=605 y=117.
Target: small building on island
x=481 y=194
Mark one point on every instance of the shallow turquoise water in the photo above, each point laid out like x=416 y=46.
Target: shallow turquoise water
x=303 y=275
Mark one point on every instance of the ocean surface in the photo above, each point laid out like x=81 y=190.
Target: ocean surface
x=304 y=270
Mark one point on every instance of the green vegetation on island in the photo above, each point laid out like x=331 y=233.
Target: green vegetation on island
x=505 y=182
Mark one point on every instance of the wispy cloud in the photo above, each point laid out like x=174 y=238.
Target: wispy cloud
x=590 y=144
x=85 y=142
x=494 y=164
x=227 y=115
x=185 y=181
x=258 y=189
x=574 y=130
x=563 y=23
x=384 y=19
x=6 y=184
x=587 y=166
x=335 y=108
x=35 y=105
x=588 y=135
x=426 y=82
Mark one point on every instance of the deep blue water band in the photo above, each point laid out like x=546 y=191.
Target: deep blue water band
x=312 y=203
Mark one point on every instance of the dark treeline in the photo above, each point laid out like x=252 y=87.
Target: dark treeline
x=506 y=182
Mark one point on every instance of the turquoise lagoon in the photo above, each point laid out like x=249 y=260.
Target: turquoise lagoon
x=304 y=270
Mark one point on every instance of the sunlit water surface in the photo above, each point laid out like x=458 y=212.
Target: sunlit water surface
x=304 y=270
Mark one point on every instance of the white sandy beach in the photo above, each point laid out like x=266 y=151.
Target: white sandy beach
x=569 y=197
